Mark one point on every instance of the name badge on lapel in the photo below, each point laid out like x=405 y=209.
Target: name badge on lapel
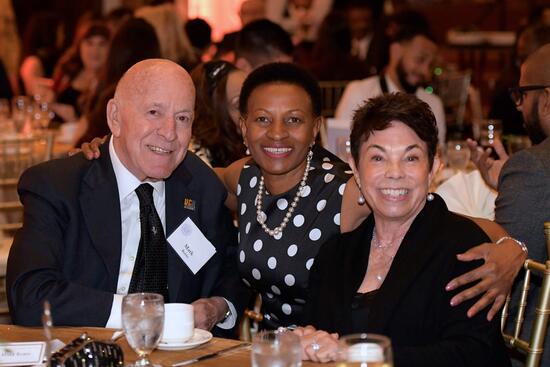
x=189 y=204
x=191 y=245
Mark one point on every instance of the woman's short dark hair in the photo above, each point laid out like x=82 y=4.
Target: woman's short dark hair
x=283 y=73
x=377 y=113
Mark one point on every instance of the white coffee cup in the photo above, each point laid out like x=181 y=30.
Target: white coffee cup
x=179 y=323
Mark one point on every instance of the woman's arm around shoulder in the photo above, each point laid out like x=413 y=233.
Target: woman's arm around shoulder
x=230 y=177
x=493 y=280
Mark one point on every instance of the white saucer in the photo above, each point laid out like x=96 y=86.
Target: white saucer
x=199 y=337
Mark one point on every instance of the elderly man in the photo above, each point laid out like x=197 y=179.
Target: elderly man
x=412 y=52
x=145 y=217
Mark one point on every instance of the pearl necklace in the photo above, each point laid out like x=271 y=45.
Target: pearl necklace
x=376 y=245
x=261 y=217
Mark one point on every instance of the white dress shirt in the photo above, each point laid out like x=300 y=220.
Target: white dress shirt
x=360 y=47
x=131 y=233
x=131 y=228
x=358 y=91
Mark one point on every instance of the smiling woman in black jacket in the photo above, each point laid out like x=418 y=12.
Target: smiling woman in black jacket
x=388 y=276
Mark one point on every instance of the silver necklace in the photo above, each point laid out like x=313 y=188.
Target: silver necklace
x=384 y=256
x=261 y=217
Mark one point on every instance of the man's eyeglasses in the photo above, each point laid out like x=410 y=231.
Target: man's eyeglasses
x=518 y=93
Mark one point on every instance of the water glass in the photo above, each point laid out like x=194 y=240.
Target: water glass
x=21 y=109
x=458 y=154
x=360 y=350
x=486 y=130
x=275 y=348
x=143 y=320
x=42 y=115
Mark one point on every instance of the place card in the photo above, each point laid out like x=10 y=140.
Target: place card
x=22 y=354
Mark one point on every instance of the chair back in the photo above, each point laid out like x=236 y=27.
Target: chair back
x=251 y=319
x=331 y=92
x=453 y=88
x=534 y=346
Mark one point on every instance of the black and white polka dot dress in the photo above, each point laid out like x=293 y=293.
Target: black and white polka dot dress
x=278 y=268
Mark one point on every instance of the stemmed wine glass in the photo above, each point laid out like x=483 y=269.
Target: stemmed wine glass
x=143 y=321
x=365 y=349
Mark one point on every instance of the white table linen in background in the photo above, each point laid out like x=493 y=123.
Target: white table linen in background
x=467 y=193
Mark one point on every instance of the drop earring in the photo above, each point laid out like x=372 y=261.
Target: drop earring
x=430 y=196
x=361 y=198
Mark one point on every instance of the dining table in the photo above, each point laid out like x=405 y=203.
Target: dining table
x=236 y=358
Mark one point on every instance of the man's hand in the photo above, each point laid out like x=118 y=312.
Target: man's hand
x=502 y=264
x=317 y=345
x=209 y=311
x=487 y=166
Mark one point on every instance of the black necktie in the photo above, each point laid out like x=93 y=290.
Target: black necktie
x=151 y=266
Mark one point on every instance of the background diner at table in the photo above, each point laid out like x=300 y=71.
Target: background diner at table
x=470 y=61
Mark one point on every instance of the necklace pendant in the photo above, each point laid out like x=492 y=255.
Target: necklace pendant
x=261 y=217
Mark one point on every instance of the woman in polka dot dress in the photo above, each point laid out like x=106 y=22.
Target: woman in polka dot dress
x=290 y=197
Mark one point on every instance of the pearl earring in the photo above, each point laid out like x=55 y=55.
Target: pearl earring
x=361 y=199
x=430 y=196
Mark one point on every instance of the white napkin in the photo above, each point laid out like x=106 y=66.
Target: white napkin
x=468 y=194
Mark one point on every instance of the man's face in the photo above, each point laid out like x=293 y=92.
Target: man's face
x=530 y=109
x=151 y=122
x=414 y=67
x=360 y=21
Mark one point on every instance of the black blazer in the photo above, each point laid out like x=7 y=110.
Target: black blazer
x=69 y=248
x=412 y=306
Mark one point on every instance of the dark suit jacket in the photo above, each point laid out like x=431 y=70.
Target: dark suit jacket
x=69 y=248
x=412 y=306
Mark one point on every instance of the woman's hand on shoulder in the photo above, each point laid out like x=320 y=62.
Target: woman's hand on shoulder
x=91 y=149
x=317 y=345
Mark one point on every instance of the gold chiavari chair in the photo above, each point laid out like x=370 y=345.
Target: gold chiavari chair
x=534 y=346
x=250 y=320
x=331 y=92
